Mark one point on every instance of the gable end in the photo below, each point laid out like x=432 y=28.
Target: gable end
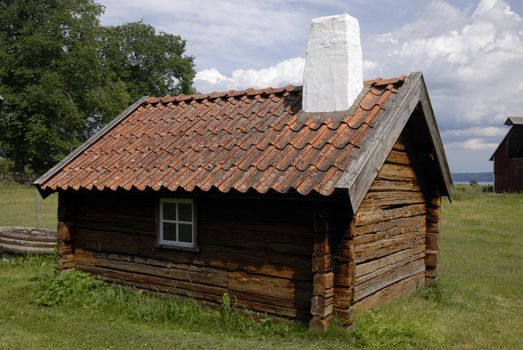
x=358 y=178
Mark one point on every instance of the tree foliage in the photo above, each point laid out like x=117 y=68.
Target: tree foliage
x=148 y=63
x=63 y=75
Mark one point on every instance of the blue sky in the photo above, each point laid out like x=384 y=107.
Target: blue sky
x=469 y=51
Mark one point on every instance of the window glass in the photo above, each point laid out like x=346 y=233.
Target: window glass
x=169 y=231
x=169 y=211
x=185 y=212
x=185 y=233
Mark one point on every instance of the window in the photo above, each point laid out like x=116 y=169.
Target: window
x=177 y=223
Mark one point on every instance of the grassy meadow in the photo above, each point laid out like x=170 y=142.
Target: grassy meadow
x=18 y=205
x=477 y=305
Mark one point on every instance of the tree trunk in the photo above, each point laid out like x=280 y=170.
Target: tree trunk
x=19 y=159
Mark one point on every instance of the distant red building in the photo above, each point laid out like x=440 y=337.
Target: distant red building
x=508 y=159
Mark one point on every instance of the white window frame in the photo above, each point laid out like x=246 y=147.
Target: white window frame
x=161 y=221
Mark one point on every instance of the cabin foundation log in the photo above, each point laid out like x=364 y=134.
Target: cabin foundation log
x=65 y=247
x=322 y=301
x=344 y=273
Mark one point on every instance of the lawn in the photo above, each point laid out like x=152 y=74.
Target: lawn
x=478 y=304
x=20 y=205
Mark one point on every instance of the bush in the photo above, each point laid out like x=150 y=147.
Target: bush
x=55 y=289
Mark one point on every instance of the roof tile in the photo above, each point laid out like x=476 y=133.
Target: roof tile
x=241 y=140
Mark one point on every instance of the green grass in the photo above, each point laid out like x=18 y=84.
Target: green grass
x=18 y=207
x=478 y=304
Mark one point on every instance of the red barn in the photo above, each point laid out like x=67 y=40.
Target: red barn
x=508 y=159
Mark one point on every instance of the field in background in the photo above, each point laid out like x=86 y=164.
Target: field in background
x=478 y=305
x=18 y=207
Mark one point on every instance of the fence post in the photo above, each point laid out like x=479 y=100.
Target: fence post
x=37 y=209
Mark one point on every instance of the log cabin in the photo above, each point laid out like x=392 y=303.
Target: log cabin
x=302 y=202
x=508 y=159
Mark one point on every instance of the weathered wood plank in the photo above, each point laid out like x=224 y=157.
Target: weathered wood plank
x=397 y=172
x=386 y=246
x=369 y=287
x=398 y=157
x=109 y=241
x=382 y=185
x=209 y=276
x=407 y=226
x=267 y=286
x=369 y=270
x=388 y=199
x=373 y=215
x=26 y=243
x=392 y=292
x=16 y=248
x=256 y=261
x=153 y=281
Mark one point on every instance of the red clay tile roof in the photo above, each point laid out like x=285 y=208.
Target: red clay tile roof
x=236 y=140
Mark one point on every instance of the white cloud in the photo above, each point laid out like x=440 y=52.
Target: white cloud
x=471 y=60
x=489 y=131
x=289 y=71
x=370 y=66
x=473 y=144
x=247 y=34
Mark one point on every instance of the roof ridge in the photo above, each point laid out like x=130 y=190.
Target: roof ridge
x=377 y=82
x=221 y=94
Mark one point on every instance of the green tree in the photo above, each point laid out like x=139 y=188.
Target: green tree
x=53 y=79
x=148 y=63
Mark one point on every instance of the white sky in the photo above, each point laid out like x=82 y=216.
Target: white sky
x=469 y=51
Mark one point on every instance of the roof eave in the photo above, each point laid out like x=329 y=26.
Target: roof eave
x=502 y=142
x=514 y=120
x=55 y=169
x=436 y=140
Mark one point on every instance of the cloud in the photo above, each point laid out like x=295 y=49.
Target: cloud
x=471 y=60
x=473 y=144
x=488 y=131
x=289 y=71
x=232 y=34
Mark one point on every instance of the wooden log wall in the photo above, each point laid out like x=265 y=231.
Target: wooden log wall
x=259 y=250
x=432 y=240
x=322 y=302
x=344 y=273
x=389 y=234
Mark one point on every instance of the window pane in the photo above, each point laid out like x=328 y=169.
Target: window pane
x=185 y=212
x=169 y=211
x=169 y=231
x=185 y=233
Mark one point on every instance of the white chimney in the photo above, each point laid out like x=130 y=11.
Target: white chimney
x=333 y=75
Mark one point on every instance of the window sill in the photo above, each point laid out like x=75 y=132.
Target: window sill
x=175 y=247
